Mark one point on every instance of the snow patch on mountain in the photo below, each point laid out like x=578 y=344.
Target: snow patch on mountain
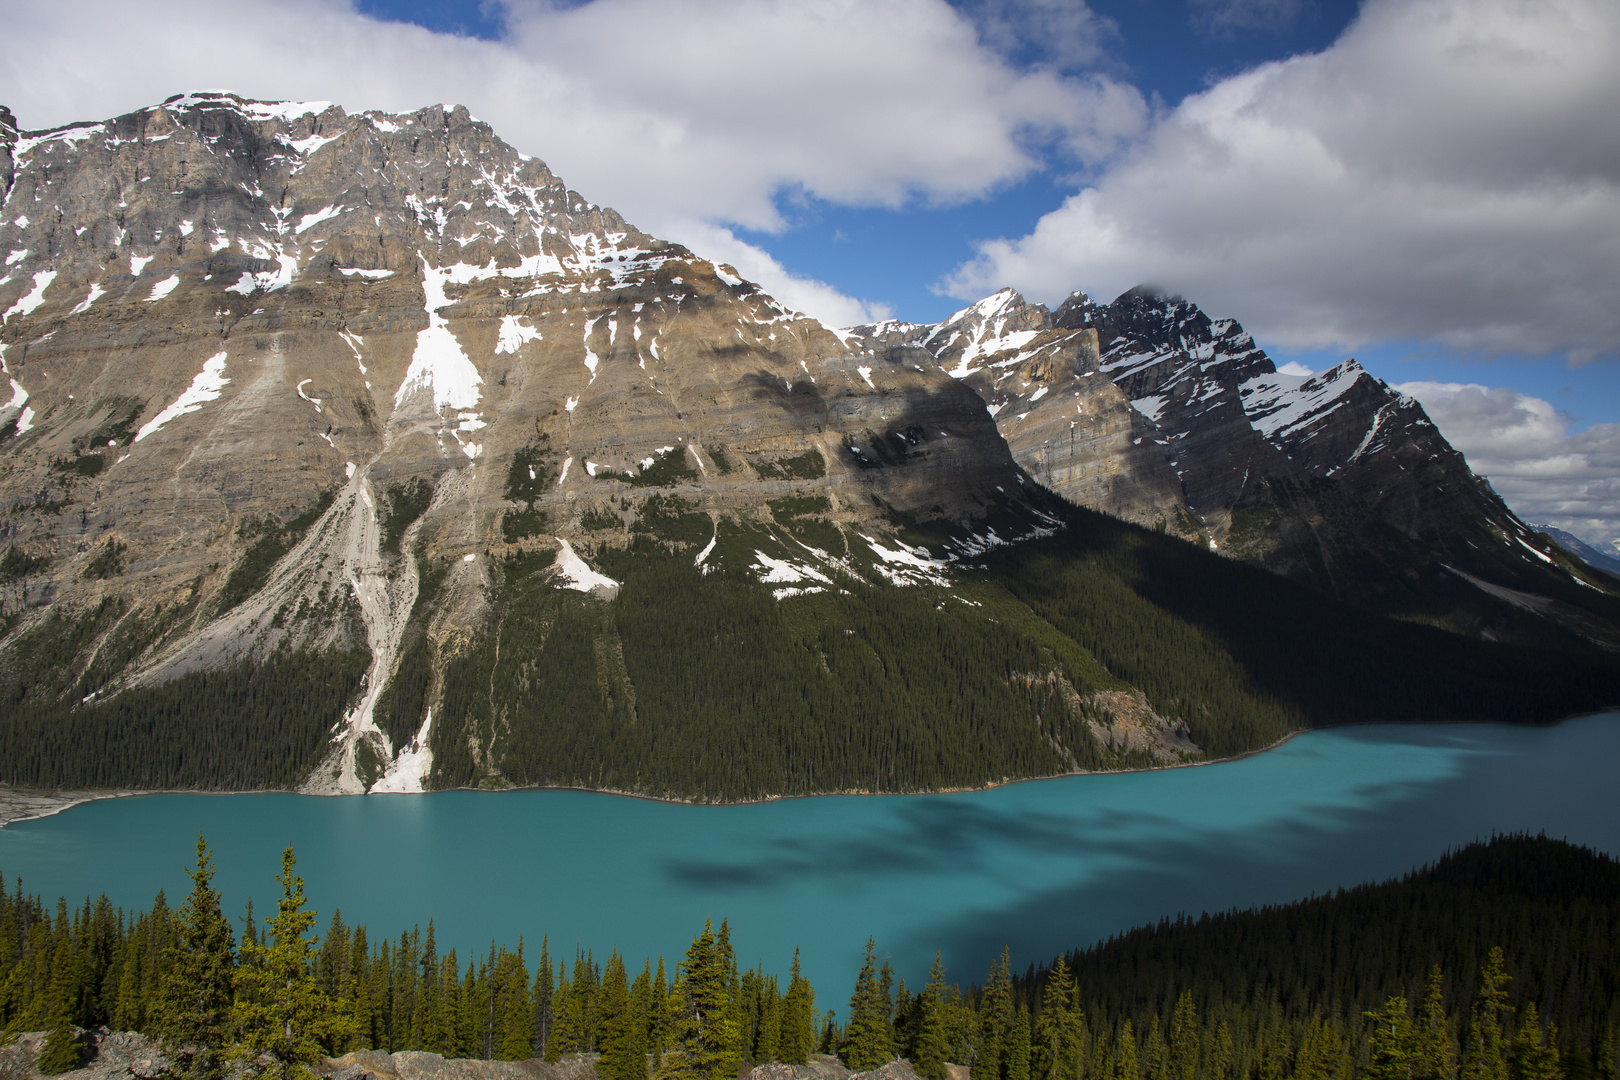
x=439 y=365
x=206 y=387
x=33 y=298
x=574 y=573
x=1279 y=405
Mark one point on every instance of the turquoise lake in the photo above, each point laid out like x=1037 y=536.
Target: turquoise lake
x=1039 y=867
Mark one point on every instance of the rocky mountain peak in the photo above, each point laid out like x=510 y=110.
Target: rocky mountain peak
x=274 y=365
x=1150 y=409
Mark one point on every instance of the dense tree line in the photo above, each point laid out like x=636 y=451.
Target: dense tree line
x=280 y=998
x=697 y=682
x=1501 y=962
x=1244 y=656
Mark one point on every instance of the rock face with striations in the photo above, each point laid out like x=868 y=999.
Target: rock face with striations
x=1148 y=409
x=268 y=360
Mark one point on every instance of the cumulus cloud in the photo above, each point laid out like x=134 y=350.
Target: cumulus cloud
x=1524 y=446
x=1062 y=33
x=1449 y=170
x=671 y=111
x=758 y=265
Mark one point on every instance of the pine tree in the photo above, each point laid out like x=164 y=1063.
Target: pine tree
x=1389 y=1043
x=542 y=1000
x=1057 y=1033
x=64 y=1048
x=621 y=1053
x=866 y=1034
x=1487 y=1049
x=798 y=1018
x=704 y=1030
x=1157 y=1053
x=1018 y=1046
x=995 y=1020
x=769 y=1032
x=1605 y=1059
x=280 y=1012
x=642 y=1009
x=1434 y=1055
x=658 y=1014
x=197 y=990
x=1184 y=1037
x=1535 y=1058
x=1125 y=1065
x=929 y=1057
x=562 y=1039
x=517 y=1011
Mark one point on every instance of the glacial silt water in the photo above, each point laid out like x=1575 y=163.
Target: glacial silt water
x=1038 y=866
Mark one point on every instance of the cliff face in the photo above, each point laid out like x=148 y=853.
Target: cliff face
x=266 y=358
x=1148 y=409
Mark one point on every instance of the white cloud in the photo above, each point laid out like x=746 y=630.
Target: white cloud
x=812 y=297
x=1063 y=33
x=1523 y=445
x=1448 y=170
x=670 y=111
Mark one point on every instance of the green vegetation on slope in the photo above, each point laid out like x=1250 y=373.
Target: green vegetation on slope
x=245 y=725
x=697 y=682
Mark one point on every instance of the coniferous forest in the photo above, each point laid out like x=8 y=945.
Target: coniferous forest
x=1499 y=962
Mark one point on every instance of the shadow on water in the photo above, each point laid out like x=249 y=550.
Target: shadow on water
x=1397 y=826
x=929 y=835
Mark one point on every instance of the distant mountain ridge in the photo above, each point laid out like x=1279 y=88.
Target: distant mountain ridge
x=1148 y=409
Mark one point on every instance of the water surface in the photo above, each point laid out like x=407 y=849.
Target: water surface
x=1038 y=866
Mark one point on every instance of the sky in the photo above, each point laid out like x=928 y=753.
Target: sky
x=1430 y=186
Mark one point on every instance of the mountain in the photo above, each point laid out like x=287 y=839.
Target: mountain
x=1149 y=410
x=1581 y=549
x=354 y=451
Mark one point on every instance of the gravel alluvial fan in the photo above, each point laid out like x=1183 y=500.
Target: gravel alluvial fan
x=353 y=451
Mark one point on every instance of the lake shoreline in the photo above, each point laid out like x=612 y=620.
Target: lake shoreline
x=28 y=804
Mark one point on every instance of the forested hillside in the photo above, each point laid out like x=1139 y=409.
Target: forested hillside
x=1040 y=658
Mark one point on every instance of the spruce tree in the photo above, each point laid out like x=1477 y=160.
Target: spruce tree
x=1184 y=1039
x=1125 y=1061
x=1060 y=1029
x=542 y=1000
x=562 y=1039
x=929 y=1058
x=866 y=1042
x=614 y=1039
x=643 y=1005
x=995 y=1020
x=517 y=1011
x=798 y=1018
x=705 y=1031
x=1487 y=1048
x=1018 y=1046
x=1389 y=1043
x=1535 y=1057
x=64 y=1048
x=769 y=1033
x=194 y=1016
x=280 y=1012
x=1434 y=1055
